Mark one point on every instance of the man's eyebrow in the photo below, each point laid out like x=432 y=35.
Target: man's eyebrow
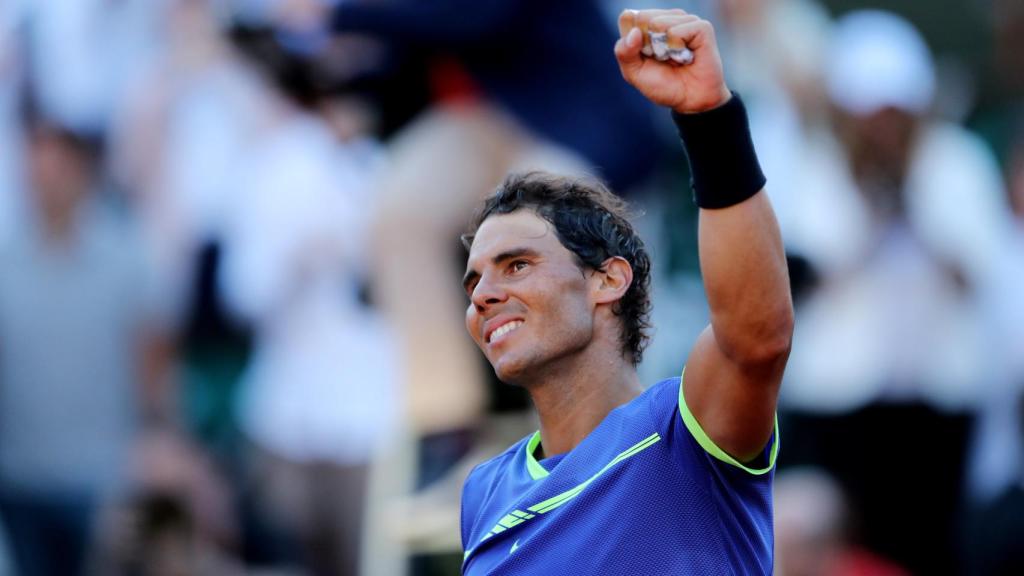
x=498 y=259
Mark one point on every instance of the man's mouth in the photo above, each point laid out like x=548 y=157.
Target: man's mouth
x=503 y=330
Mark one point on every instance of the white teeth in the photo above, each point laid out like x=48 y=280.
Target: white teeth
x=505 y=329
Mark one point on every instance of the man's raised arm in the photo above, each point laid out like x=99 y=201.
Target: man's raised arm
x=733 y=374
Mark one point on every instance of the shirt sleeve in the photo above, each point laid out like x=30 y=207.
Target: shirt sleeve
x=758 y=467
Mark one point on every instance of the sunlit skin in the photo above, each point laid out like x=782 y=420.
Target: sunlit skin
x=567 y=352
x=60 y=178
x=519 y=268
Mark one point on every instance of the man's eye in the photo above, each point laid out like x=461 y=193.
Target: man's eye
x=519 y=265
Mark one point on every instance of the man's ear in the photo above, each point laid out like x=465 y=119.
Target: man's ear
x=611 y=280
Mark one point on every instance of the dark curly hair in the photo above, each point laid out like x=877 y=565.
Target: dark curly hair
x=592 y=223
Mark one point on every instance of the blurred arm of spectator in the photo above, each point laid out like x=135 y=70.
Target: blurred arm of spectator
x=136 y=167
x=157 y=354
x=1016 y=180
x=955 y=179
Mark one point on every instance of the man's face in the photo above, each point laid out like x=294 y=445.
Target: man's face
x=59 y=173
x=529 y=300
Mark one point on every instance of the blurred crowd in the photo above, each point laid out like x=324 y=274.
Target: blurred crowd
x=231 y=336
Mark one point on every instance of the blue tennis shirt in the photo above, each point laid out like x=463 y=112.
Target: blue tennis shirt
x=646 y=493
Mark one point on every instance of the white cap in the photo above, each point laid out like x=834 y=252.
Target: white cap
x=878 y=60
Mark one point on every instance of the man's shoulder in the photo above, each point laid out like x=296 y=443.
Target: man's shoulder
x=486 y=472
x=661 y=398
x=661 y=388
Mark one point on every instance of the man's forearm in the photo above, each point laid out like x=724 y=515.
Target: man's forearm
x=741 y=254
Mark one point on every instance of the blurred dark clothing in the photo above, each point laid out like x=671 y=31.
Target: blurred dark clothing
x=215 y=351
x=549 y=64
x=48 y=533
x=306 y=513
x=995 y=536
x=903 y=469
x=857 y=562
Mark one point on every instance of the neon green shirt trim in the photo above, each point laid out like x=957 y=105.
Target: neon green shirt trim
x=711 y=448
x=517 y=517
x=532 y=466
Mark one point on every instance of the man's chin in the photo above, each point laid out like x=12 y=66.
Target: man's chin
x=510 y=371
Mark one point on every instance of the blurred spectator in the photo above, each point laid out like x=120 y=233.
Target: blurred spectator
x=904 y=217
x=1007 y=20
x=780 y=74
x=176 y=519
x=998 y=461
x=177 y=142
x=903 y=188
x=995 y=534
x=98 y=46
x=76 y=351
x=320 y=396
x=812 y=519
x=161 y=539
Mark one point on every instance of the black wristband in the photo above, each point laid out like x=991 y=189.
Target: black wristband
x=723 y=165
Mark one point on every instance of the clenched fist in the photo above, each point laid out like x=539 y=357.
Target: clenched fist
x=686 y=88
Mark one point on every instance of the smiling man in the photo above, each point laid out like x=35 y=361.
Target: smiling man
x=674 y=478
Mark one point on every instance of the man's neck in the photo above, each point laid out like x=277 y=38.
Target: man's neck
x=576 y=396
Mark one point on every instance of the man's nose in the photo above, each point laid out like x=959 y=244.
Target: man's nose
x=488 y=292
